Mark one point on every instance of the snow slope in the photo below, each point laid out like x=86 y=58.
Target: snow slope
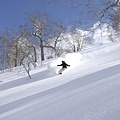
x=88 y=90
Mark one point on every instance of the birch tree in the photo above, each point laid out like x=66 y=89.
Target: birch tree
x=45 y=30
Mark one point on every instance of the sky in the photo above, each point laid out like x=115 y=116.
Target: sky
x=13 y=12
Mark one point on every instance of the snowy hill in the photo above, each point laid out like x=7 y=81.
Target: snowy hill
x=88 y=90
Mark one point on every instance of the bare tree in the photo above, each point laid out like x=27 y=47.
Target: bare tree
x=25 y=56
x=29 y=42
x=115 y=21
x=5 y=46
x=20 y=49
x=55 y=38
x=39 y=29
x=45 y=30
x=75 y=40
x=90 y=10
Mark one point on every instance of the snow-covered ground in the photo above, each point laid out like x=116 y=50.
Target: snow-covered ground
x=88 y=90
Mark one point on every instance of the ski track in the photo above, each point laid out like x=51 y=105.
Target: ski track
x=72 y=98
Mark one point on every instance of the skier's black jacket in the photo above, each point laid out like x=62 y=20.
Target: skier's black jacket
x=64 y=65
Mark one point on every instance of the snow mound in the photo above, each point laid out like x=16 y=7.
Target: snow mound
x=72 y=59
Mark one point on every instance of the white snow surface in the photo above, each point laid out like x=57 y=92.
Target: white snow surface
x=87 y=90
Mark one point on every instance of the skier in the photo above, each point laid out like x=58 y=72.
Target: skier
x=64 y=66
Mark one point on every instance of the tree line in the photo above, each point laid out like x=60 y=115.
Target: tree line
x=43 y=38
x=34 y=42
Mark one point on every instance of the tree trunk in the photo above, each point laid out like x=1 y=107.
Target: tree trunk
x=42 y=50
